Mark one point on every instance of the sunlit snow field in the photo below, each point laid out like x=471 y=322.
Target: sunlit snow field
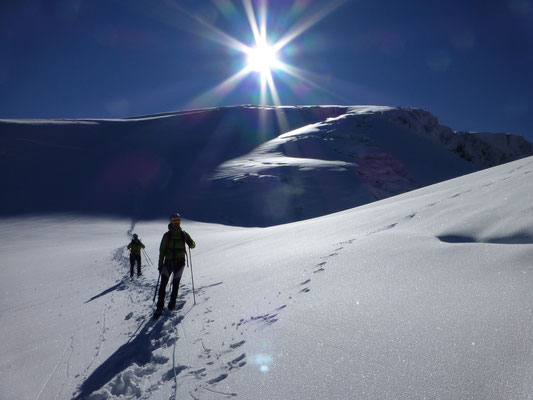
x=423 y=295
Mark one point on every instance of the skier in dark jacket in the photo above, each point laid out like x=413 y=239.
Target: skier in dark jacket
x=135 y=247
x=172 y=261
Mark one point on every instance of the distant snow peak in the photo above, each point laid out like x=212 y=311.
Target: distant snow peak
x=482 y=149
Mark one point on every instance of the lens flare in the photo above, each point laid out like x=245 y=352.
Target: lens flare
x=263 y=57
x=263 y=361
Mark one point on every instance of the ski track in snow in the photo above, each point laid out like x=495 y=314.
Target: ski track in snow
x=141 y=356
x=123 y=373
x=67 y=368
x=43 y=386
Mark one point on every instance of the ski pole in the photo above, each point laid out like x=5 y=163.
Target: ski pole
x=192 y=276
x=145 y=259
x=156 y=285
x=147 y=256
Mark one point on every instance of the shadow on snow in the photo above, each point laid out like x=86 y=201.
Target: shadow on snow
x=118 y=286
x=138 y=352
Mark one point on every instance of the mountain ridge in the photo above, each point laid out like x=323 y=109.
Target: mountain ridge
x=282 y=163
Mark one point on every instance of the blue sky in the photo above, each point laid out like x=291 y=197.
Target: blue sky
x=468 y=62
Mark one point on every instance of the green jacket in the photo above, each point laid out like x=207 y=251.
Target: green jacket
x=135 y=246
x=173 y=245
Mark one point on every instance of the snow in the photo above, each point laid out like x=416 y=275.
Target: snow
x=422 y=295
x=305 y=285
x=211 y=164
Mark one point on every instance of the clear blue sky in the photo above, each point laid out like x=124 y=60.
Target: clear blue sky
x=469 y=62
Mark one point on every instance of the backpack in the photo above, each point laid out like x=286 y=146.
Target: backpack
x=169 y=238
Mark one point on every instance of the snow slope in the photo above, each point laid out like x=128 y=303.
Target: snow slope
x=422 y=295
x=246 y=166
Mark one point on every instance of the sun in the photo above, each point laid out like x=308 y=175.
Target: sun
x=262 y=59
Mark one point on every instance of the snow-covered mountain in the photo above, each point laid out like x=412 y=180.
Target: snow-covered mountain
x=482 y=149
x=426 y=294
x=422 y=295
x=247 y=166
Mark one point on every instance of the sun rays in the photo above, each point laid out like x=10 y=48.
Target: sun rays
x=263 y=58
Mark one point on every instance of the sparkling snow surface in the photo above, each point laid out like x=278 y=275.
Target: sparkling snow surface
x=423 y=295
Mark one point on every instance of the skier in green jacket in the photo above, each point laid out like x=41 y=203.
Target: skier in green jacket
x=135 y=247
x=172 y=261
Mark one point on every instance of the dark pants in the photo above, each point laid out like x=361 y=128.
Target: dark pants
x=135 y=258
x=172 y=268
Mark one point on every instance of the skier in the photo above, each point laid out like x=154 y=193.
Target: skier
x=135 y=254
x=172 y=261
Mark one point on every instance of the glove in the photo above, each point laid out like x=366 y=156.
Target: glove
x=160 y=267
